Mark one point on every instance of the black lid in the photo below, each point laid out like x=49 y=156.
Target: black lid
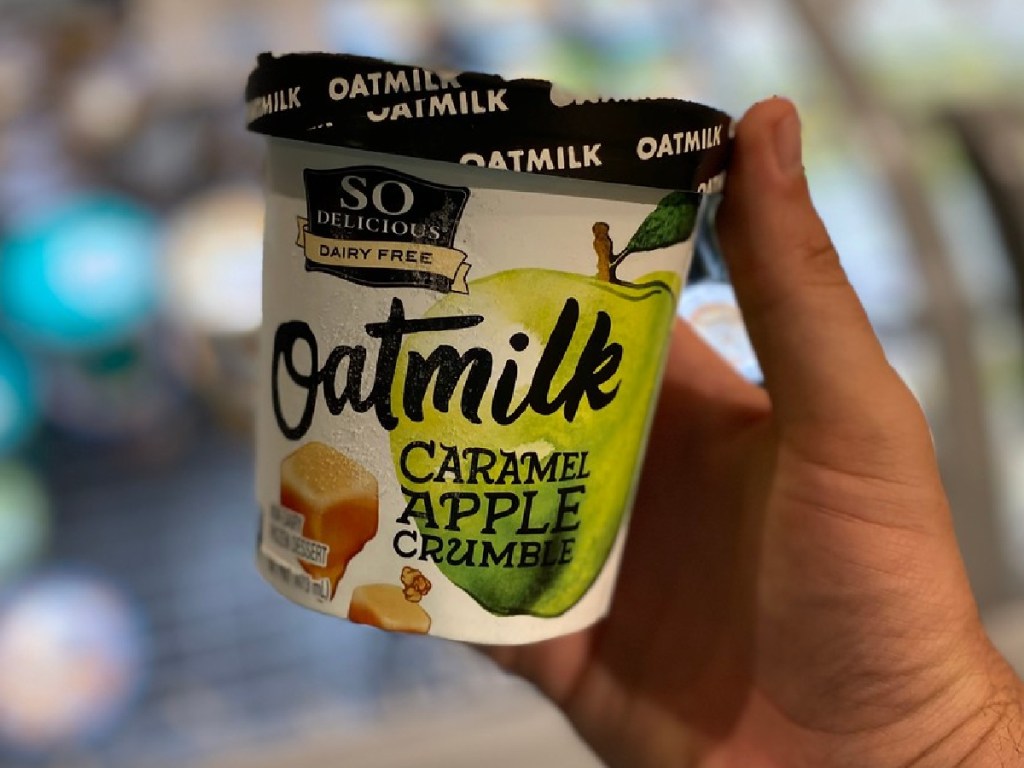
x=478 y=119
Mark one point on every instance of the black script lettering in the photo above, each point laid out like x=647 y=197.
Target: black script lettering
x=453 y=551
x=598 y=363
x=538 y=470
x=391 y=334
x=433 y=547
x=477 y=466
x=454 y=500
x=448 y=367
x=529 y=554
x=397 y=546
x=288 y=336
x=445 y=369
x=491 y=554
x=567 y=506
x=428 y=448
x=410 y=511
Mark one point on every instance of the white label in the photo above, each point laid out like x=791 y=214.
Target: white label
x=458 y=370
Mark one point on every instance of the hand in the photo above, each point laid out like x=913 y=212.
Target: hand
x=791 y=592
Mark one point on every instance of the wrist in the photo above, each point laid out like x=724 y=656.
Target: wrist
x=984 y=729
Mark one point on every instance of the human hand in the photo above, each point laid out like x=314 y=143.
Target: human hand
x=791 y=592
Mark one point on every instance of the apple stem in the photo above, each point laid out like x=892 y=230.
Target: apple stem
x=607 y=260
x=603 y=249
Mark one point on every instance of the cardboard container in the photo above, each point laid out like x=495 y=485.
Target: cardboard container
x=469 y=285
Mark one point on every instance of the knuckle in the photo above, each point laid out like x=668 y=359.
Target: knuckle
x=818 y=262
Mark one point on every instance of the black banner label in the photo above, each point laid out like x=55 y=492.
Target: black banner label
x=381 y=228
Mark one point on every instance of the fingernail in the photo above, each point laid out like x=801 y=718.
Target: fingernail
x=789 y=146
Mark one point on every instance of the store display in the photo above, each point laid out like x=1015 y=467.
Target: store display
x=121 y=393
x=103 y=108
x=24 y=519
x=71 y=660
x=213 y=260
x=131 y=221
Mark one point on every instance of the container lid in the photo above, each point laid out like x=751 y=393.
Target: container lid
x=476 y=119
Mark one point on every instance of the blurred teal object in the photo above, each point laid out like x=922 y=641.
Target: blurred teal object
x=24 y=519
x=81 y=275
x=19 y=398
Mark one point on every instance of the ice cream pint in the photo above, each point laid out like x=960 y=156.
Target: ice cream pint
x=469 y=285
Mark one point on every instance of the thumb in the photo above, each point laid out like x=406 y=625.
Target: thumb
x=824 y=367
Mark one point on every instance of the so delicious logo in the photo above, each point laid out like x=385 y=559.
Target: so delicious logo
x=380 y=228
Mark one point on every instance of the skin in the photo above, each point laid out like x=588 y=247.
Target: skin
x=792 y=593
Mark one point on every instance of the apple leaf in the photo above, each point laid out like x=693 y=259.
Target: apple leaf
x=671 y=222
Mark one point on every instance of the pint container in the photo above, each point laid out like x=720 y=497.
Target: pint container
x=469 y=286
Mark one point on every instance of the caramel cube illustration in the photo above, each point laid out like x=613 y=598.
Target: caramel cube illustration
x=385 y=606
x=338 y=499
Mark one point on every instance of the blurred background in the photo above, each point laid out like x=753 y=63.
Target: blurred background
x=134 y=630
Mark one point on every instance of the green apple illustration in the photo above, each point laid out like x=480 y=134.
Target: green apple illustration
x=522 y=513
